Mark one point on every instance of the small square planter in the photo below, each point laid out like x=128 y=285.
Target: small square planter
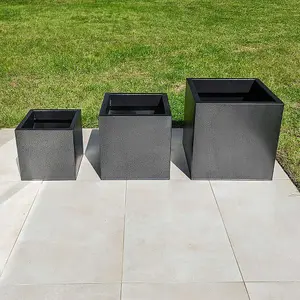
x=231 y=129
x=49 y=144
x=135 y=136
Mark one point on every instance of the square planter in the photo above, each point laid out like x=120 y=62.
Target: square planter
x=231 y=129
x=49 y=144
x=135 y=136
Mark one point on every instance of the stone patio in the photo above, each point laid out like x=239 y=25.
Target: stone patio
x=142 y=240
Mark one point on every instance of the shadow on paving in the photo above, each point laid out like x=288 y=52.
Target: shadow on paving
x=92 y=151
x=177 y=153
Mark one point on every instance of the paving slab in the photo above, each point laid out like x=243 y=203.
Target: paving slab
x=73 y=234
x=16 y=199
x=190 y=291
x=61 y=292
x=262 y=221
x=274 y=290
x=177 y=239
x=174 y=233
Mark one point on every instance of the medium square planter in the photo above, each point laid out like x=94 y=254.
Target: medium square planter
x=135 y=136
x=49 y=144
x=231 y=129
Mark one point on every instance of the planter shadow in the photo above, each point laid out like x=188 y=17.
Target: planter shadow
x=92 y=151
x=178 y=157
x=15 y=189
x=177 y=153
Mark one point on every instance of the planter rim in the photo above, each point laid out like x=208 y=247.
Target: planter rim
x=105 y=102
x=276 y=100
x=77 y=113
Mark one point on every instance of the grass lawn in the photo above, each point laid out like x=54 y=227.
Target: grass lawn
x=67 y=53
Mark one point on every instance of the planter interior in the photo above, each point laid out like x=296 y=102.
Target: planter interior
x=134 y=104
x=232 y=91
x=48 y=119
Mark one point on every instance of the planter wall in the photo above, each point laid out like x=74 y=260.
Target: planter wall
x=49 y=144
x=231 y=129
x=135 y=136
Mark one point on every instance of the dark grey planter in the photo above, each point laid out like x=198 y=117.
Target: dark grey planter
x=231 y=129
x=49 y=144
x=135 y=136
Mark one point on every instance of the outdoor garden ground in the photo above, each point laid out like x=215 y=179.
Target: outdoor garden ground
x=174 y=239
x=67 y=53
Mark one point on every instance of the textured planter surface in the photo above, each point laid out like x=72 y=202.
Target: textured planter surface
x=49 y=144
x=135 y=136
x=231 y=129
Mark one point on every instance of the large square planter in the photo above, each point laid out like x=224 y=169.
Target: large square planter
x=231 y=129
x=135 y=136
x=49 y=144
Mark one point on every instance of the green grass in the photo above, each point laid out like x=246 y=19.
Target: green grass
x=68 y=53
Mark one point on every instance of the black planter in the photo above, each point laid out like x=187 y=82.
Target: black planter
x=135 y=136
x=49 y=144
x=231 y=129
